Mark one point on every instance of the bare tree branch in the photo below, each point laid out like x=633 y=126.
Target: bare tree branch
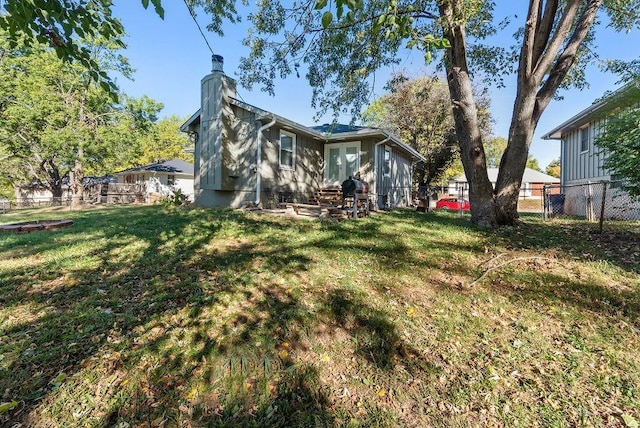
x=488 y=271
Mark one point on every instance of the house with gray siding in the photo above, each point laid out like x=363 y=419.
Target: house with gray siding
x=247 y=155
x=582 y=162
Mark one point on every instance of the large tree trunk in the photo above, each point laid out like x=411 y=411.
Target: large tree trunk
x=540 y=57
x=465 y=114
x=76 y=178
x=51 y=173
x=549 y=48
x=514 y=159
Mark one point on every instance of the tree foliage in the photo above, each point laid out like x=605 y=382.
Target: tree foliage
x=343 y=43
x=419 y=111
x=553 y=169
x=165 y=142
x=56 y=121
x=62 y=25
x=532 y=163
x=493 y=149
x=620 y=138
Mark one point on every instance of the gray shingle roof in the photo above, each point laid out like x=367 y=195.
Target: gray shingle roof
x=173 y=165
x=529 y=176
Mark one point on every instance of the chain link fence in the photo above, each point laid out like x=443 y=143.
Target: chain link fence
x=591 y=201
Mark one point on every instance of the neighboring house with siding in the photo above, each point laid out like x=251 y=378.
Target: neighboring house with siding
x=244 y=154
x=161 y=177
x=582 y=162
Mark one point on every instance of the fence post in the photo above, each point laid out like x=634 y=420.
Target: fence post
x=545 y=202
x=604 y=198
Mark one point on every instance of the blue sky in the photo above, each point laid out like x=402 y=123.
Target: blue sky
x=171 y=57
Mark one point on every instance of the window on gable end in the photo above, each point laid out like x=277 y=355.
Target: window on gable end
x=584 y=139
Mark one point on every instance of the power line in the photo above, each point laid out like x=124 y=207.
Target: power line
x=193 y=15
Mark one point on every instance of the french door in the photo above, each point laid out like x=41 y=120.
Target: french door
x=342 y=160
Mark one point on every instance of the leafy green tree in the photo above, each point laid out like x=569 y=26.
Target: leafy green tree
x=553 y=169
x=532 y=163
x=55 y=119
x=494 y=149
x=620 y=138
x=343 y=43
x=418 y=110
x=124 y=139
x=62 y=25
x=165 y=142
x=10 y=170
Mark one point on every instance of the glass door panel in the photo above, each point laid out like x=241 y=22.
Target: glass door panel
x=352 y=164
x=333 y=165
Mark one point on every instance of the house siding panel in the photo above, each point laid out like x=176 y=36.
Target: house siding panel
x=227 y=169
x=367 y=160
x=583 y=166
x=239 y=150
x=298 y=184
x=393 y=190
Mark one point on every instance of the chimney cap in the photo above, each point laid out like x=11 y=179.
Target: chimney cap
x=217 y=62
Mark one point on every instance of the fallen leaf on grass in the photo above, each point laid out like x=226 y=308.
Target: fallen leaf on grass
x=5 y=407
x=630 y=421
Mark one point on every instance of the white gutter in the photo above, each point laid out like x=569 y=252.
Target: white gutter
x=259 y=158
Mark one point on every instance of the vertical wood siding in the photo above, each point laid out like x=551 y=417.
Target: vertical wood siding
x=303 y=180
x=393 y=190
x=583 y=166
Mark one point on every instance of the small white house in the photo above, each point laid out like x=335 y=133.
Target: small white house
x=161 y=177
x=533 y=183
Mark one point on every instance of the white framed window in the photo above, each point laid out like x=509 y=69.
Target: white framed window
x=386 y=162
x=526 y=189
x=287 y=155
x=584 y=140
x=171 y=180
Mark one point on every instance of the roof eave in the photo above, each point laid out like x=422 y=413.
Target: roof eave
x=266 y=116
x=185 y=126
x=377 y=132
x=585 y=116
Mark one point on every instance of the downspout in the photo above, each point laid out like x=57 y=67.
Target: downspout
x=375 y=165
x=259 y=158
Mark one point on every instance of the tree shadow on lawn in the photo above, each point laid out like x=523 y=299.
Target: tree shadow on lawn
x=97 y=309
x=124 y=301
x=608 y=301
x=619 y=244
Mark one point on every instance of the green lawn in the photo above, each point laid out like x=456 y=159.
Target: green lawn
x=147 y=316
